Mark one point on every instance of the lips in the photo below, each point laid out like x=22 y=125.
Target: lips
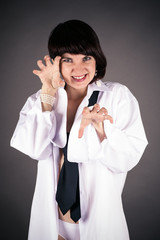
x=79 y=78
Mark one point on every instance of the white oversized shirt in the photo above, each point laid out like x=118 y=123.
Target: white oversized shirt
x=102 y=166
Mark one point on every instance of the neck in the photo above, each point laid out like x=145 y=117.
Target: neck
x=76 y=94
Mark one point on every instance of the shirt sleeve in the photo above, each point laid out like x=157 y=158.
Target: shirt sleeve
x=126 y=139
x=34 y=130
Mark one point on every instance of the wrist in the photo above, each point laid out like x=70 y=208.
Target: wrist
x=100 y=131
x=46 y=98
x=48 y=90
x=47 y=101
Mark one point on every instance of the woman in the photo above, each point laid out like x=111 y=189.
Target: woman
x=86 y=136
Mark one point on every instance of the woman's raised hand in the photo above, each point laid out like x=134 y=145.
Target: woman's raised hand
x=49 y=74
x=96 y=117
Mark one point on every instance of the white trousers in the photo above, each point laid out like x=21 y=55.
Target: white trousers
x=69 y=231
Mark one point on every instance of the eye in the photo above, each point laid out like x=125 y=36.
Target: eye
x=67 y=60
x=87 y=58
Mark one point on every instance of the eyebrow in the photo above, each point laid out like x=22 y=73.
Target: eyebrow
x=85 y=55
x=65 y=58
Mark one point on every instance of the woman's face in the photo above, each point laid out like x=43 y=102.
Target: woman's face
x=77 y=70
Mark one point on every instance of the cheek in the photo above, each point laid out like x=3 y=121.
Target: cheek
x=93 y=65
x=93 y=68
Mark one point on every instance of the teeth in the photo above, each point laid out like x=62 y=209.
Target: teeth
x=80 y=77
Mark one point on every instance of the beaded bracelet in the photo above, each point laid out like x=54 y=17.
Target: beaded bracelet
x=45 y=98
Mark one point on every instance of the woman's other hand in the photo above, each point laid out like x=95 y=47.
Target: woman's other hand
x=49 y=74
x=96 y=117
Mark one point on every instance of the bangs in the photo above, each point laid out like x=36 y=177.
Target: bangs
x=72 y=47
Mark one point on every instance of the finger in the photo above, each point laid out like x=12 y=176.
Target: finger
x=85 y=111
x=57 y=58
x=81 y=131
x=96 y=108
x=100 y=115
x=108 y=117
x=57 y=62
x=37 y=72
x=86 y=120
x=47 y=60
x=84 y=123
x=103 y=111
x=61 y=83
x=40 y=64
x=52 y=60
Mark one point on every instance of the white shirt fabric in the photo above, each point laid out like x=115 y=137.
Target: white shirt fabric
x=102 y=166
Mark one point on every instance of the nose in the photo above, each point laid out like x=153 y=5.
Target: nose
x=78 y=68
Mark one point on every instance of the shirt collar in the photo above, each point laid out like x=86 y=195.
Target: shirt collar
x=96 y=86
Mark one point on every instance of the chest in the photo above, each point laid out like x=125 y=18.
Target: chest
x=71 y=112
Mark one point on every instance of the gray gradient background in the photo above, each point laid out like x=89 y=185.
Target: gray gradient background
x=129 y=33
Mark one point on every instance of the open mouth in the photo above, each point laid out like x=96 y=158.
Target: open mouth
x=79 y=78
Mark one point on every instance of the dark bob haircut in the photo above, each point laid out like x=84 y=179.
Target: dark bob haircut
x=77 y=37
